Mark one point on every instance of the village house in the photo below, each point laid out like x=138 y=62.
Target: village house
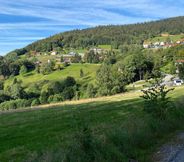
x=146 y=45
x=68 y=57
x=96 y=50
x=53 y=53
x=162 y=44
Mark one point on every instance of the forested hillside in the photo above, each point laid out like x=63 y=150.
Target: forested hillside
x=42 y=73
x=115 y=35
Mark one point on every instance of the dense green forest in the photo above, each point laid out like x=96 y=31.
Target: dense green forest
x=115 y=35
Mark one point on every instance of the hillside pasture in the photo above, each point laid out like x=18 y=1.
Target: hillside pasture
x=73 y=70
x=174 y=38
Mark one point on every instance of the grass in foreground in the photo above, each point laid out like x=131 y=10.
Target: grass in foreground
x=108 y=129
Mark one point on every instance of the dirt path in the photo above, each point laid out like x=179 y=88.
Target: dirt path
x=172 y=151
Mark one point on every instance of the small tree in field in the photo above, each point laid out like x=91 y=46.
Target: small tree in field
x=157 y=101
x=81 y=73
x=23 y=70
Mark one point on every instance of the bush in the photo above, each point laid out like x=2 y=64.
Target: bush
x=23 y=70
x=43 y=98
x=4 y=97
x=46 y=69
x=35 y=102
x=1 y=85
x=156 y=101
x=69 y=82
x=55 y=98
x=91 y=91
x=14 y=104
x=68 y=93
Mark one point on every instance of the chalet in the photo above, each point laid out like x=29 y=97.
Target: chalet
x=81 y=54
x=67 y=58
x=72 y=53
x=179 y=61
x=156 y=43
x=146 y=45
x=96 y=50
x=53 y=53
x=162 y=43
x=38 y=63
x=178 y=42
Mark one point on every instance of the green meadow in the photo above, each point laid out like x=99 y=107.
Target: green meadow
x=174 y=38
x=113 y=128
x=73 y=70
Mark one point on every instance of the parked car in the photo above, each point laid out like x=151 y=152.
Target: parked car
x=178 y=82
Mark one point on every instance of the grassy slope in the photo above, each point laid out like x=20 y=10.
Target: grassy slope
x=27 y=134
x=161 y=38
x=73 y=70
x=106 y=47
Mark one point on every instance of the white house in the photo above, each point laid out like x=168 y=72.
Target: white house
x=162 y=43
x=157 y=43
x=72 y=53
x=146 y=45
x=53 y=53
x=178 y=42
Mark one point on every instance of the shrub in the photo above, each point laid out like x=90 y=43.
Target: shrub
x=81 y=73
x=4 y=97
x=156 y=101
x=69 y=82
x=14 y=104
x=43 y=98
x=55 y=98
x=68 y=93
x=1 y=85
x=23 y=70
x=91 y=91
x=35 y=102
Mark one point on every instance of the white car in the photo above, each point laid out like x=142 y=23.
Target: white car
x=178 y=82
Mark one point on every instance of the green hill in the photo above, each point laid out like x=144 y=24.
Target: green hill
x=115 y=35
x=73 y=70
x=103 y=129
x=173 y=38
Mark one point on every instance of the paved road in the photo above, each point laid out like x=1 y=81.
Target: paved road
x=172 y=151
x=167 y=80
x=179 y=157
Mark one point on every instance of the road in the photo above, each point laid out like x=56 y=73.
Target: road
x=172 y=151
x=179 y=157
x=167 y=80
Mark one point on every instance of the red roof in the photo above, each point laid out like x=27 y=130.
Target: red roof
x=180 y=61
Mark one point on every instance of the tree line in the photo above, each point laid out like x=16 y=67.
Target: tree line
x=115 y=35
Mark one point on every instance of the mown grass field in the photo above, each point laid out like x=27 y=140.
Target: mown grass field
x=73 y=70
x=118 y=123
x=106 y=47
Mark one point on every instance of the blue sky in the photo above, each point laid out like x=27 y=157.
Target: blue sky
x=25 y=21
